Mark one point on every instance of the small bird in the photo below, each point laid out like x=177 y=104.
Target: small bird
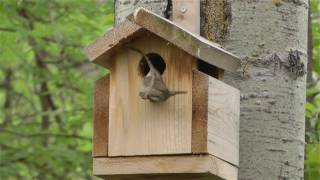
x=153 y=86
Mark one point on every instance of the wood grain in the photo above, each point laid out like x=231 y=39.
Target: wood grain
x=186 y=13
x=139 y=127
x=163 y=166
x=101 y=117
x=199 y=112
x=185 y=176
x=223 y=121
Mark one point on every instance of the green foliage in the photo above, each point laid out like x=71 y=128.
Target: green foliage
x=46 y=86
x=312 y=162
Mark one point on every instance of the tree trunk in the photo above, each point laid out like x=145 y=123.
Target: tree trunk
x=271 y=37
x=272 y=92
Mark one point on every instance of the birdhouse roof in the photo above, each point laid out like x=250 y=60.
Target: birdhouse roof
x=142 y=21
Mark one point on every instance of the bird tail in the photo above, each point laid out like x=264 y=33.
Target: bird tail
x=172 y=93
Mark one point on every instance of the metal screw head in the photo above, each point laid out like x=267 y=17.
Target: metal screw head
x=183 y=10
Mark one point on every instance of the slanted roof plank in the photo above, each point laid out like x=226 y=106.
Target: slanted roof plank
x=193 y=44
x=99 y=50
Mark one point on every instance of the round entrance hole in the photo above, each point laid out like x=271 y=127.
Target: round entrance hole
x=157 y=62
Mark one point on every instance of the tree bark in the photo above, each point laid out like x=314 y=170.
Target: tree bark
x=271 y=37
x=124 y=7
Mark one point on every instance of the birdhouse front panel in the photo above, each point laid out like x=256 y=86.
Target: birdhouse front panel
x=141 y=127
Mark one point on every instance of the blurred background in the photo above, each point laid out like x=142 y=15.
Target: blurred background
x=46 y=86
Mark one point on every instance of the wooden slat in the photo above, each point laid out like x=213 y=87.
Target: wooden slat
x=139 y=127
x=186 y=13
x=161 y=166
x=101 y=117
x=199 y=112
x=223 y=121
x=185 y=176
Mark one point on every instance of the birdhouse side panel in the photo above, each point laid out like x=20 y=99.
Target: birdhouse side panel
x=199 y=141
x=141 y=127
x=223 y=121
x=101 y=117
x=216 y=109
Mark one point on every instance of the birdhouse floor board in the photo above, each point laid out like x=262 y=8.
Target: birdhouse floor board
x=185 y=166
x=101 y=117
x=186 y=176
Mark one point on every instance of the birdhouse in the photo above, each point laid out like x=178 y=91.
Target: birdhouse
x=191 y=134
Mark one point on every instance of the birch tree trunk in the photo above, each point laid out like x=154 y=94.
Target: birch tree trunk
x=271 y=37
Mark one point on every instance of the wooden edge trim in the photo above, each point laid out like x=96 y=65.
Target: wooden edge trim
x=157 y=165
x=199 y=136
x=101 y=117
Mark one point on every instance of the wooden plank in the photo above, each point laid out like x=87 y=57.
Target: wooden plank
x=186 y=13
x=193 y=44
x=223 y=121
x=101 y=117
x=199 y=112
x=194 y=165
x=139 y=127
x=185 y=176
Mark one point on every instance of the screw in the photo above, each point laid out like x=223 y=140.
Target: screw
x=183 y=10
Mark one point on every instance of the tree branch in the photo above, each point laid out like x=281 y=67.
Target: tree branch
x=52 y=40
x=7 y=29
x=7 y=106
x=24 y=116
x=44 y=135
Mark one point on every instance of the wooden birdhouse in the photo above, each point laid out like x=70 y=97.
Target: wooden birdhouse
x=194 y=134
